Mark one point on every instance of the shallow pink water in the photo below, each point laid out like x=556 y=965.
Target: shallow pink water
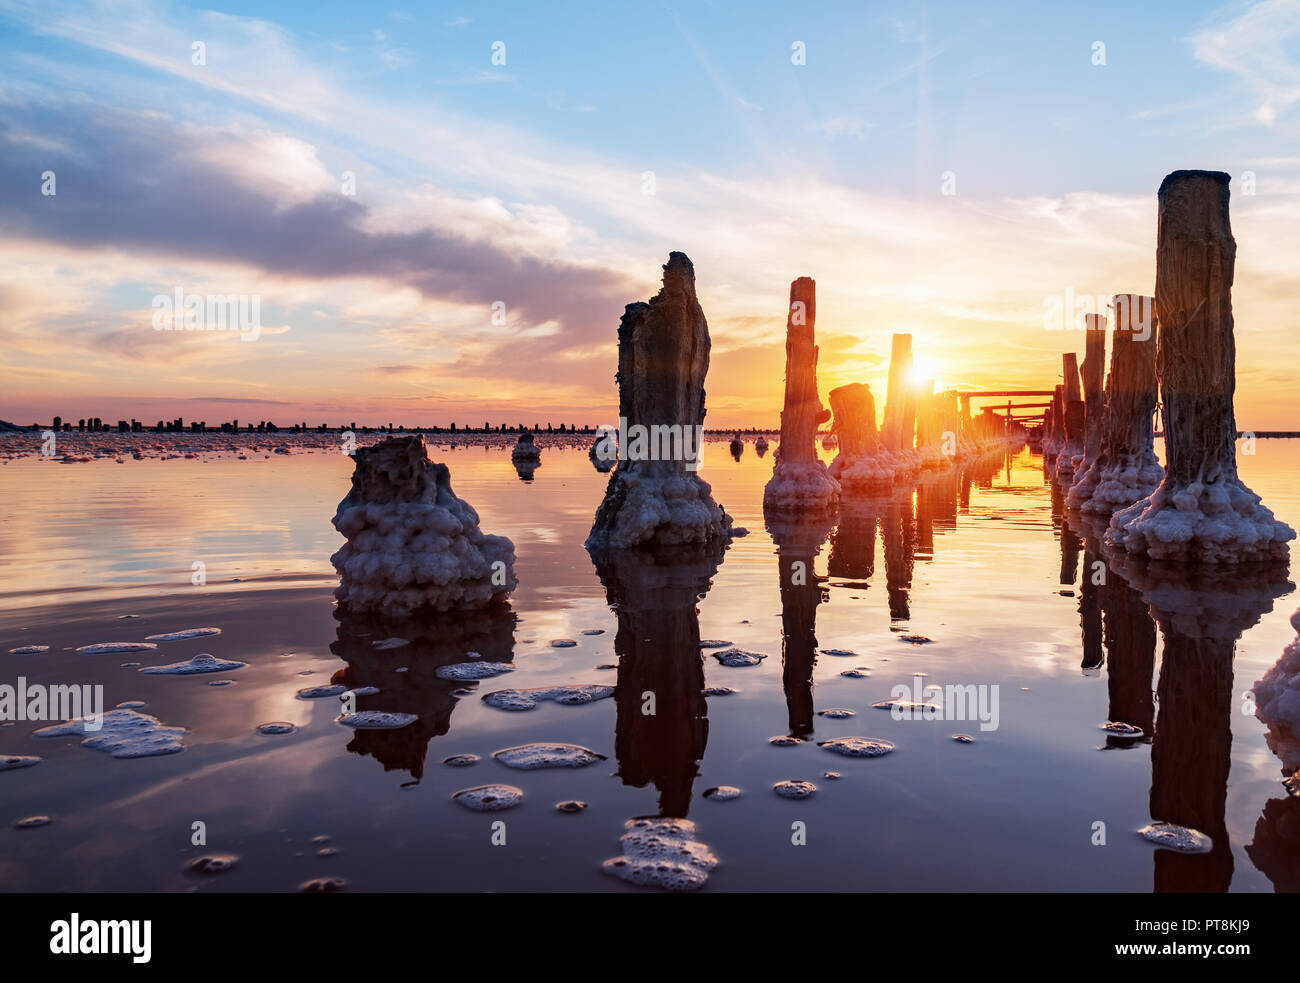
x=976 y=570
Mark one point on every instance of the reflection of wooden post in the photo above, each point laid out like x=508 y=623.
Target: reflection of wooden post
x=1090 y=611
x=1130 y=655
x=1196 y=364
x=900 y=367
x=900 y=548
x=654 y=595
x=1070 y=542
x=853 y=544
x=1191 y=757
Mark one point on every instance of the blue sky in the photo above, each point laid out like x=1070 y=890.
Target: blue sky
x=525 y=183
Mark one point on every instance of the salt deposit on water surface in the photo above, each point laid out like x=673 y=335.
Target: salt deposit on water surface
x=115 y=648
x=736 y=658
x=489 y=798
x=184 y=634
x=662 y=853
x=858 y=747
x=473 y=670
x=527 y=699
x=123 y=734
x=201 y=663
x=529 y=757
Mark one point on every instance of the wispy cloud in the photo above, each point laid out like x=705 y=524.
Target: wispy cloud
x=1259 y=45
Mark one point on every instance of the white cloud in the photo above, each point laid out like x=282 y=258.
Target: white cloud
x=1258 y=45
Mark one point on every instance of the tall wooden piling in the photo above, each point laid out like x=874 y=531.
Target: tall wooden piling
x=1094 y=371
x=896 y=396
x=1125 y=469
x=1196 y=365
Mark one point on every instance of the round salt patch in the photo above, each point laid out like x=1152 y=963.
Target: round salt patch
x=530 y=757
x=376 y=719
x=1171 y=836
x=216 y=863
x=792 y=789
x=489 y=798
x=735 y=658
x=722 y=793
x=858 y=747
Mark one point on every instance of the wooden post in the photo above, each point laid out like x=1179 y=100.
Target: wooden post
x=663 y=357
x=1094 y=371
x=1219 y=520
x=1073 y=420
x=1126 y=468
x=854 y=410
x=907 y=433
x=1056 y=437
x=925 y=414
x=802 y=410
x=799 y=480
x=900 y=367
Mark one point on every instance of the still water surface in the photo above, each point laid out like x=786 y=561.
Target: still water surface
x=968 y=578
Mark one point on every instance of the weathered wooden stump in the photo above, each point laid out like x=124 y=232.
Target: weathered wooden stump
x=1094 y=394
x=1073 y=419
x=654 y=495
x=1201 y=512
x=1126 y=468
x=799 y=480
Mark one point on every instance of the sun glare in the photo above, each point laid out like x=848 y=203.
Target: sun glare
x=923 y=371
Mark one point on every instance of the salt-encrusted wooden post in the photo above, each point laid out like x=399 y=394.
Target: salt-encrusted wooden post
x=1201 y=512
x=1126 y=468
x=925 y=431
x=663 y=357
x=1094 y=374
x=1056 y=432
x=854 y=410
x=1073 y=419
x=799 y=480
x=949 y=415
x=900 y=368
x=862 y=461
x=908 y=432
x=802 y=410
